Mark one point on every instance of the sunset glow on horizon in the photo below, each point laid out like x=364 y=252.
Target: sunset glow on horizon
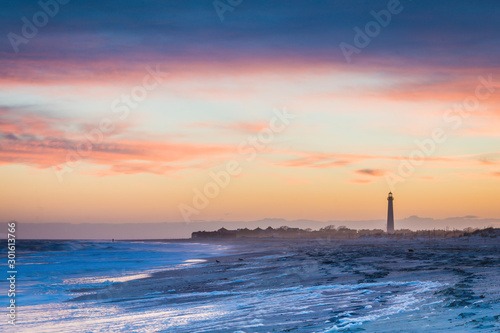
x=107 y=116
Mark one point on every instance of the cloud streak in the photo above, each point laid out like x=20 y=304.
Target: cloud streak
x=31 y=139
x=371 y=172
x=97 y=38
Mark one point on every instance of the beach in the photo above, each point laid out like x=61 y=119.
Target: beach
x=277 y=285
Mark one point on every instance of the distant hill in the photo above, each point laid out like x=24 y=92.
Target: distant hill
x=183 y=230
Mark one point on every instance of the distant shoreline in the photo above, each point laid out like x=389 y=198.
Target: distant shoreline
x=331 y=232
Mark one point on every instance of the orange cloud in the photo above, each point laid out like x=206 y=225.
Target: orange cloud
x=324 y=160
x=314 y=163
x=371 y=172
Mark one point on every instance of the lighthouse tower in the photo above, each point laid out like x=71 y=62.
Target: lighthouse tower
x=390 y=215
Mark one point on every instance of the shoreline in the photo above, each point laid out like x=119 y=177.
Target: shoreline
x=240 y=250
x=305 y=285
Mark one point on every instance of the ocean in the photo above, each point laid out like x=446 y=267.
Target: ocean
x=51 y=273
x=243 y=286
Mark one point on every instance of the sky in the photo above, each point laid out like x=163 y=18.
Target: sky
x=171 y=111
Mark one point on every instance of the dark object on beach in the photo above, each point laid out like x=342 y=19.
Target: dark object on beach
x=411 y=250
x=240 y=259
x=217 y=261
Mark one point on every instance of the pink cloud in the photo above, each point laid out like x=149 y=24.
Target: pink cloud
x=318 y=160
x=19 y=123
x=40 y=142
x=246 y=127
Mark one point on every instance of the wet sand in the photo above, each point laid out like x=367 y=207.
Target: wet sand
x=279 y=285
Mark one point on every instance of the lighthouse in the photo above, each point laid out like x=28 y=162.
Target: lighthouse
x=390 y=214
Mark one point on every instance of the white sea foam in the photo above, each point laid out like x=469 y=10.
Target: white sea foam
x=237 y=297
